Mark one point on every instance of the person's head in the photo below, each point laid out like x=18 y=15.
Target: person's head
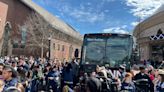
x=152 y=72
x=13 y=64
x=21 y=62
x=121 y=68
x=93 y=85
x=8 y=73
x=29 y=74
x=128 y=77
x=73 y=60
x=48 y=66
x=69 y=66
x=97 y=68
x=55 y=68
x=150 y=67
x=103 y=72
x=142 y=69
x=36 y=67
x=1 y=68
x=66 y=64
x=161 y=75
x=146 y=71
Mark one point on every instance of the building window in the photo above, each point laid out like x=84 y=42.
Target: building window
x=54 y=46
x=24 y=33
x=6 y=39
x=15 y=44
x=159 y=32
x=63 y=48
x=70 y=52
x=58 y=47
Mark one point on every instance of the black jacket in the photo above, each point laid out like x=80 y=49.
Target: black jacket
x=143 y=84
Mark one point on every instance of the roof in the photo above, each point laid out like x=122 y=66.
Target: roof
x=153 y=20
x=53 y=20
x=160 y=9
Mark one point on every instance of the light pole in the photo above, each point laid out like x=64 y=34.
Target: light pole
x=49 y=54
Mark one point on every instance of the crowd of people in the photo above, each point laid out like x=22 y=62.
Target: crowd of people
x=140 y=78
x=22 y=74
x=36 y=75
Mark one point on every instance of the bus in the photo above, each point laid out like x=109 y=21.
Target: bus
x=106 y=49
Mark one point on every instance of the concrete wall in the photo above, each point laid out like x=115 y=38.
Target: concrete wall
x=3 y=15
x=148 y=28
x=16 y=12
x=67 y=53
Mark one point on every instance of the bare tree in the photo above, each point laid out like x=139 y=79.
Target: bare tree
x=38 y=32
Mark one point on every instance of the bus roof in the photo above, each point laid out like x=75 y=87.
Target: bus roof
x=105 y=34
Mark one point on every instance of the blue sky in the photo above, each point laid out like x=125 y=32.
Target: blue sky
x=95 y=16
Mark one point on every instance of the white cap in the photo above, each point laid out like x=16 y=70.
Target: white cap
x=160 y=71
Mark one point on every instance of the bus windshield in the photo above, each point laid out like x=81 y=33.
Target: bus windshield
x=112 y=50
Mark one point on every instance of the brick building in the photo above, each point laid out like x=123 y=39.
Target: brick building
x=150 y=36
x=15 y=12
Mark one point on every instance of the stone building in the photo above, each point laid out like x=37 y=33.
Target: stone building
x=15 y=12
x=150 y=36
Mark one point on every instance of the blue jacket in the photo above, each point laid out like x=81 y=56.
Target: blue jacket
x=160 y=87
x=128 y=87
x=53 y=83
x=12 y=82
x=67 y=75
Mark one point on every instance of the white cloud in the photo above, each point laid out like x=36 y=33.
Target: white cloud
x=106 y=11
x=83 y=14
x=88 y=3
x=108 y=0
x=87 y=12
x=121 y=30
x=57 y=16
x=124 y=26
x=144 y=8
x=134 y=23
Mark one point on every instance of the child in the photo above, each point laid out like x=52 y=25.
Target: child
x=127 y=84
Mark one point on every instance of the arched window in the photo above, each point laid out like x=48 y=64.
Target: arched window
x=70 y=51
x=23 y=34
x=159 y=32
x=6 y=37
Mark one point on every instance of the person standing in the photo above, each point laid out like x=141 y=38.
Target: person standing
x=160 y=82
x=67 y=76
x=75 y=67
x=127 y=84
x=144 y=82
x=52 y=79
x=10 y=77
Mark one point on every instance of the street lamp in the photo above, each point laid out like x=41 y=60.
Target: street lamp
x=49 y=54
